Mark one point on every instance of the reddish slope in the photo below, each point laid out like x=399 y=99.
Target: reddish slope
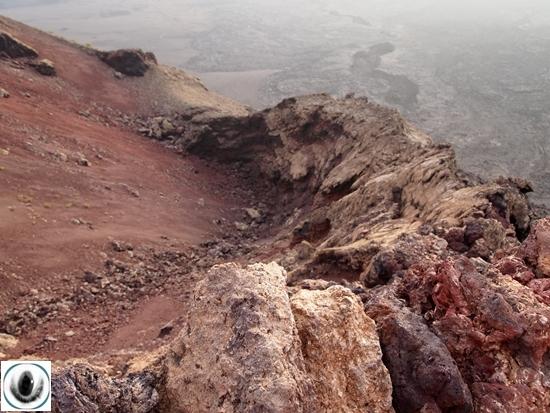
x=58 y=215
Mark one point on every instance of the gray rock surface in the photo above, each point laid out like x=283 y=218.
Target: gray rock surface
x=13 y=48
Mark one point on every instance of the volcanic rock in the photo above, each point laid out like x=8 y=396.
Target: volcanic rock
x=536 y=249
x=11 y=47
x=253 y=214
x=341 y=351
x=7 y=342
x=44 y=67
x=357 y=204
x=130 y=62
x=247 y=346
x=85 y=389
x=367 y=178
x=495 y=329
x=241 y=350
x=424 y=375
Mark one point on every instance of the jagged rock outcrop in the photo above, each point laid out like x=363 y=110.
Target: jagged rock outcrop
x=469 y=323
x=249 y=347
x=411 y=285
x=11 y=47
x=85 y=389
x=536 y=249
x=494 y=327
x=341 y=351
x=130 y=62
x=399 y=283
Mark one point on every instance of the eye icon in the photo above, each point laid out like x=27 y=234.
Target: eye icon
x=26 y=386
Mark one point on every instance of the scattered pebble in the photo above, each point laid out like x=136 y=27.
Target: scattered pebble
x=61 y=156
x=83 y=162
x=166 y=330
x=241 y=226
x=120 y=246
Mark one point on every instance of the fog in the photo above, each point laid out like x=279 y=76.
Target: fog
x=475 y=73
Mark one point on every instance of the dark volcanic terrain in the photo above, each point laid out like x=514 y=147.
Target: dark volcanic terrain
x=172 y=251
x=475 y=74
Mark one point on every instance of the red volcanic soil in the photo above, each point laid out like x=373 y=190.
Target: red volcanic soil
x=73 y=178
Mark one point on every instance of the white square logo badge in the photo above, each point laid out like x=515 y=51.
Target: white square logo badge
x=26 y=386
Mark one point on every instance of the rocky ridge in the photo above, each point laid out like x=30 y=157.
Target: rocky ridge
x=450 y=270
x=376 y=207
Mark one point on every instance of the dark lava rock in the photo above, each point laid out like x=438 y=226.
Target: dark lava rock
x=166 y=330
x=424 y=375
x=130 y=62
x=311 y=230
x=80 y=388
x=12 y=48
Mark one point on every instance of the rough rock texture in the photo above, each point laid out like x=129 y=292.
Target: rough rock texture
x=453 y=272
x=536 y=249
x=85 y=389
x=360 y=207
x=496 y=330
x=12 y=48
x=248 y=347
x=358 y=176
x=44 y=67
x=424 y=375
x=341 y=351
x=131 y=62
x=241 y=351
